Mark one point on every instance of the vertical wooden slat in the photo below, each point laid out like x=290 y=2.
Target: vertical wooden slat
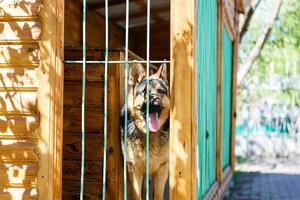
x=50 y=100
x=182 y=174
x=219 y=95
x=114 y=157
x=234 y=92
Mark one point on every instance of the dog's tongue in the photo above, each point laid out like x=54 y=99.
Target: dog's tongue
x=154 y=123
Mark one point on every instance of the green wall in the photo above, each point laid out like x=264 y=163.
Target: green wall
x=226 y=96
x=206 y=91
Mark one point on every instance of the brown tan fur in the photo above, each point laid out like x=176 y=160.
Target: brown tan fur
x=136 y=143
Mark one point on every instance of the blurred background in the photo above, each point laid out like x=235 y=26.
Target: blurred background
x=268 y=104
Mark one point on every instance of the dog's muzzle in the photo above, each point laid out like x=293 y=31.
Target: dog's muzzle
x=155 y=104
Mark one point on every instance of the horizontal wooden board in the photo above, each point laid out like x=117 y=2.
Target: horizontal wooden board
x=23 y=8
x=17 y=145
x=92 y=190
x=18 y=174
x=94 y=94
x=19 y=54
x=9 y=193
x=13 y=127
x=20 y=30
x=18 y=78
x=18 y=102
x=93 y=147
x=92 y=172
x=21 y=156
x=72 y=120
x=73 y=72
x=76 y=54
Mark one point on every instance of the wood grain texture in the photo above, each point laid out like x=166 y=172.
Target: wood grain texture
x=94 y=73
x=20 y=8
x=17 y=31
x=72 y=188
x=26 y=193
x=20 y=30
x=182 y=64
x=72 y=120
x=19 y=54
x=71 y=170
x=18 y=174
x=19 y=127
x=234 y=95
x=50 y=100
x=219 y=167
x=72 y=147
x=18 y=102
x=18 y=78
x=94 y=94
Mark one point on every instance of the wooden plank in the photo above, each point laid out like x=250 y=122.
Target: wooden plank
x=182 y=64
x=50 y=98
x=23 y=102
x=219 y=167
x=73 y=72
x=93 y=150
x=92 y=190
x=22 y=127
x=18 y=77
x=22 y=156
x=76 y=54
x=212 y=192
x=92 y=171
x=20 y=7
x=114 y=156
x=20 y=31
x=234 y=96
x=20 y=174
x=94 y=95
x=72 y=120
x=8 y=193
x=19 y=54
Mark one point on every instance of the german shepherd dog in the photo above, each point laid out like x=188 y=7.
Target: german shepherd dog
x=159 y=105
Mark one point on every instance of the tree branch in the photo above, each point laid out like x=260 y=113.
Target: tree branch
x=254 y=53
x=247 y=18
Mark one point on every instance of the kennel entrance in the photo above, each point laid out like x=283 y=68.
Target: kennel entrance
x=85 y=50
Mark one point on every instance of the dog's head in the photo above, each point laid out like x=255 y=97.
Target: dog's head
x=159 y=102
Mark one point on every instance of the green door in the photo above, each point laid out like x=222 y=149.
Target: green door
x=226 y=96
x=206 y=94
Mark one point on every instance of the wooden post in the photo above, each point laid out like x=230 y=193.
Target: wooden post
x=50 y=100
x=219 y=166
x=183 y=101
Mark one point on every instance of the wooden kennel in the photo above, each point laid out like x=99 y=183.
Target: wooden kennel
x=40 y=138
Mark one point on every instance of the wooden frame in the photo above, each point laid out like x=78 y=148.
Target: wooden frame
x=219 y=168
x=182 y=113
x=50 y=100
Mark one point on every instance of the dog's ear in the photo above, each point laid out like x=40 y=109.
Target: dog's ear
x=162 y=72
x=136 y=73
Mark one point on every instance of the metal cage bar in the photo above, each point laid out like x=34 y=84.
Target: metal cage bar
x=126 y=98
x=83 y=98
x=147 y=99
x=105 y=100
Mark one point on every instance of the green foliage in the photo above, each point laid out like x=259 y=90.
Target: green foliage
x=280 y=56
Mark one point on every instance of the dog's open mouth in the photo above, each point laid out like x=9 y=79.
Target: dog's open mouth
x=154 y=123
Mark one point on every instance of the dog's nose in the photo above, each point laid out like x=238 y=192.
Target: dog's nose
x=156 y=103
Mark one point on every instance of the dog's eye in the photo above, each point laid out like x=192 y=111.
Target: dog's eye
x=160 y=91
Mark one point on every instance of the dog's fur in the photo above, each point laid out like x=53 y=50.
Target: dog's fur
x=159 y=103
